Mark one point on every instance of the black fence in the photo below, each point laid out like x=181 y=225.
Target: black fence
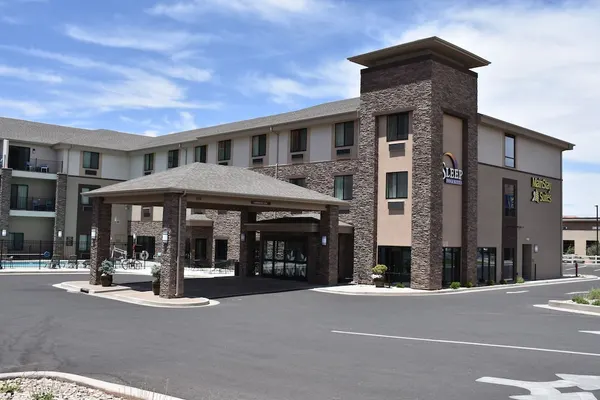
x=38 y=165
x=32 y=203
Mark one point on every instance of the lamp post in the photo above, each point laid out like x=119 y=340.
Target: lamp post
x=596 y=233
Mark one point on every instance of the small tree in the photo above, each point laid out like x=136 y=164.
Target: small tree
x=593 y=250
x=570 y=250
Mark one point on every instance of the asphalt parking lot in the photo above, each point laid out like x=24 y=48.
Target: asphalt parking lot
x=303 y=344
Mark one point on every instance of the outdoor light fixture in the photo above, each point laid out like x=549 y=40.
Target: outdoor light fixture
x=94 y=233
x=535 y=248
x=242 y=237
x=134 y=236
x=3 y=232
x=165 y=236
x=324 y=240
x=59 y=234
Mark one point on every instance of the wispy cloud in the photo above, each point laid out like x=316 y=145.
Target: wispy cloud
x=271 y=10
x=184 y=121
x=10 y=20
x=135 y=38
x=181 y=71
x=29 y=75
x=26 y=108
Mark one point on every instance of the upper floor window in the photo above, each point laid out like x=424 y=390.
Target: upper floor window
x=173 y=159
x=397 y=127
x=510 y=203
x=200 y=153
x=298 y=181
x=224 y=150
x=91 y=160
x=148 y=162
x=84 y=199
x=342 y=188
x=298 y=140
x=259 y=145
x=509 y=151
x=344 y=134
x=396 y=185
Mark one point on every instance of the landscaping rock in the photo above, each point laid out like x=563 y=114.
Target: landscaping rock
x=49 y=389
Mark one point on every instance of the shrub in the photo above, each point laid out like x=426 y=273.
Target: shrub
x=503 y=282
x=455 y=285
x=155 y=271
x=580 y=300
x=594 y=294
x=469 y=284
x=379 y=269
x=491 y=282
x=520 y=280
x=399 y=285
x=10 y=387
x=596 y=303
x=107 y=267
x=42 y=396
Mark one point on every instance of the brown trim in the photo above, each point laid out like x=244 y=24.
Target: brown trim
x=394 y=111
x=96 y=177
x=519 y=171
x=416 y=59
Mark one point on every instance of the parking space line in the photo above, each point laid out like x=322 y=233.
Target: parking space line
x=592 y=332
x=518 y=291
x=444 y=341
x=580 y=292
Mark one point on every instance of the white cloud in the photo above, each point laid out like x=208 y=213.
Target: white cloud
x=150 y=133
x=271 y=10
x=182 y=71
x=25 y=108
x=10 y=20
x=186 y=122
x=28 y=75
x=134 y=38
x=580 y=193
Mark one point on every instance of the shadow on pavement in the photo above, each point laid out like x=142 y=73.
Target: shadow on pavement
x=222 y=287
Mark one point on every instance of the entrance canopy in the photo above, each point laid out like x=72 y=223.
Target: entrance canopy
x=217 y=187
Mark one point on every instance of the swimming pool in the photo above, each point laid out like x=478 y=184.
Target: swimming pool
x=33 y=264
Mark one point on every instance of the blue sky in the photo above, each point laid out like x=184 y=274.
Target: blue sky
x=159 y=66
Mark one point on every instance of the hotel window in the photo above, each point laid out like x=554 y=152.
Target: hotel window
x=396 y=185
x=397 y=127
x=173 y=159
x=509 y=151
x=298 y=140
x=451 y=265
x=91 y=160
x=259 y=145
x=84 y=199
x=298 y=181
x=84 y=243
x=568 y=247
x=16 y=241
x=224 y=150
x=486 y=264
x=149 y=162
x=344 y=134
x=147 y=212
x=220 y=249
x=510 y=203
x=343 y=187
x=200 y=248
x=200 y=154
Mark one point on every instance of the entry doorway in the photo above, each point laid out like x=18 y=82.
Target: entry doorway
x=528 y=272
x=285 y=259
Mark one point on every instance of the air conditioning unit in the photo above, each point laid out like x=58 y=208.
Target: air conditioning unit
x=257 y=161
x=343 y=152
x=298 y=157
x=87 y=208
x=92 y=172
x=224 y=163
x=147 y=172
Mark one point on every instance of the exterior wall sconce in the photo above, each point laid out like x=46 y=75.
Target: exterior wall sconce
x=535 y=248
x=324 y=240
x=94 y=233
x=242 y=237
x=134 y=237
x=59 y=234
x=165 y=236
x=3 y=232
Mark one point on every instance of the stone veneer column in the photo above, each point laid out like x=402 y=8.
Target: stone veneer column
x=61 y=212
x=168 y=274
x=248 y=245
x=100 y=249
x=327 y=267
x=5 y=181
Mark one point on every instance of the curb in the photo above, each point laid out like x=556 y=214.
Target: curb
x=444 y=292
x=200 y=303
x=569 y=305
x=71 y=288
x=112 y=388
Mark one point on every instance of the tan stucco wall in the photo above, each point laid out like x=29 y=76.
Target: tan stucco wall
x=452 y=194
x=540 y=223
x=393 y=229
x=37 y=187
x=580 y=237
x=32 y=228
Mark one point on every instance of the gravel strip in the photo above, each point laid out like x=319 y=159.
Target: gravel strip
x=49 y=389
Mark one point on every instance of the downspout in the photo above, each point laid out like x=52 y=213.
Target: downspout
x=177 y=293
x=277 y=156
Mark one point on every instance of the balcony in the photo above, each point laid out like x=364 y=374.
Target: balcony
x=32 y=207
x=37 y=165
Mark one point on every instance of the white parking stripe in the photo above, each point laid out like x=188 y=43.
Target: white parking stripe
x=518 y=291
x=580 y=292
x=592 y=332
x=570 y=269
x=596 y=270
x=443 y=341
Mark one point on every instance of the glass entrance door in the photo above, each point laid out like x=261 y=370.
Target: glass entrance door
x=285 y=259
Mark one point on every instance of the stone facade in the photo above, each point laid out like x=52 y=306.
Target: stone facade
x=152 y=228
x=100 y=248
x=200 y=232
x=170 y=280
x=327 y=268
x=5 y=180
x=248 y=246
x=61 y=213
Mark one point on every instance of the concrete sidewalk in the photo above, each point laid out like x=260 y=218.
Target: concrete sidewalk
x=128 y=295
x=371 y=290
x=189 y=273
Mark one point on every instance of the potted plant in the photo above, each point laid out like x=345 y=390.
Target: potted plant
x=156 y=280
x=107 y=269
x=378 y=272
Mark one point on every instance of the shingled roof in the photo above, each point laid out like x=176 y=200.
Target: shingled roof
x=216 y=180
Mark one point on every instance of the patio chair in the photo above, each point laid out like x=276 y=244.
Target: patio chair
x=29 y=166
x=72 y=263
x=49 y=205
x=35 y=204
x=54 y=262
x=44 y=168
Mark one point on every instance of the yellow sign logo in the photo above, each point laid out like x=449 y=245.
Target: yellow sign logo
x=541 y=190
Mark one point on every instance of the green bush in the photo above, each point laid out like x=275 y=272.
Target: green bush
x=399 y=285
x=10 y=387
x=596 y=303
x=107 y=267
x=491 y=282
x=503 y=282
x=520 y=280
x=455 y=285
x=469 y=284
x=155 y=271
x=42 y=396
x=594 y=294
x=379 y=269
x=580 y=300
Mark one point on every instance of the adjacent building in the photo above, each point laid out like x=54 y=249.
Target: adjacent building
x=435 y=190
x=580 y=235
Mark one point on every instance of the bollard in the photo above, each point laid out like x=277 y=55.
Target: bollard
x=576 y=269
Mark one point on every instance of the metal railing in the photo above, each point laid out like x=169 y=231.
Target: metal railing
x=38 y=165
x=33 y=203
